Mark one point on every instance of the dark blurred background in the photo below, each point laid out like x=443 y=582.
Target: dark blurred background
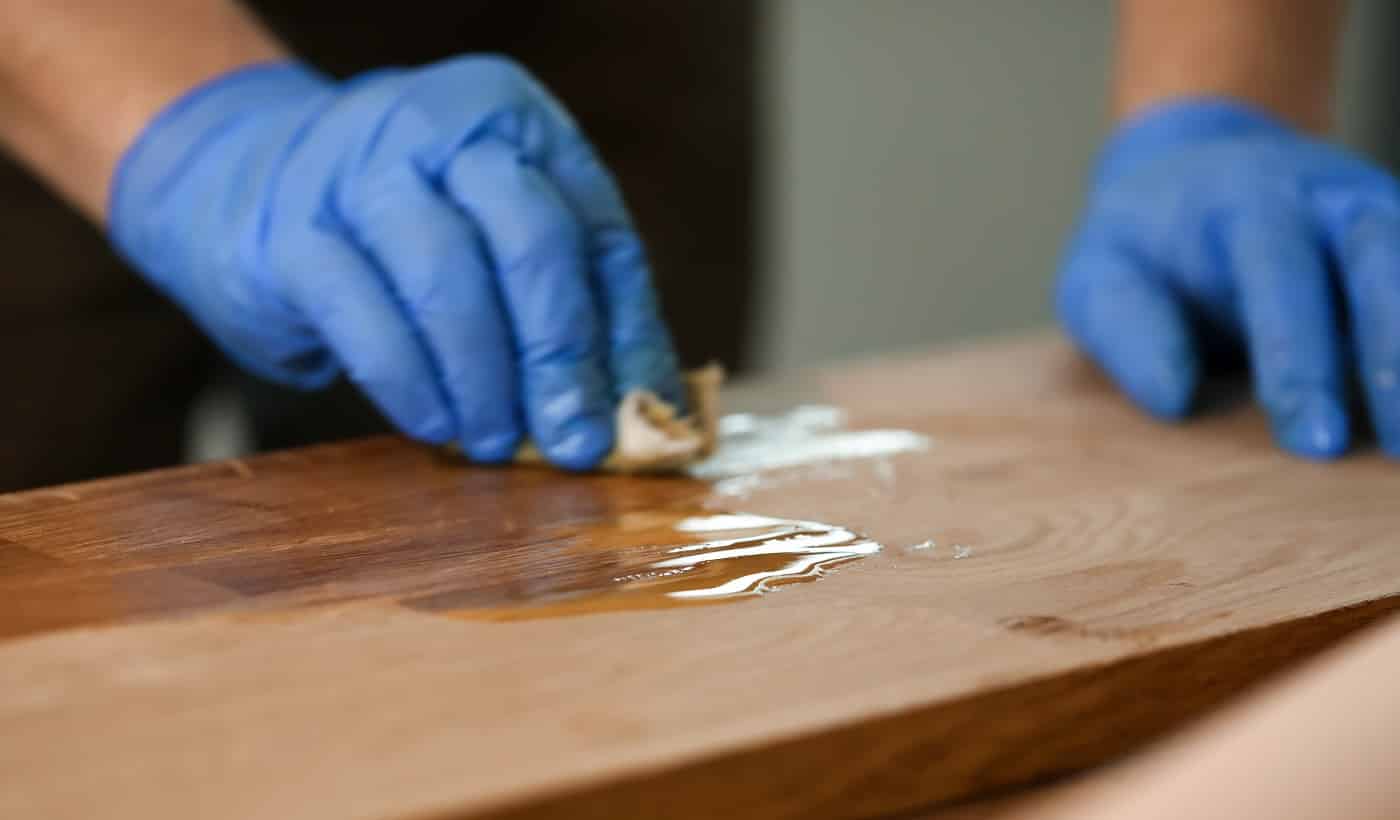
x=816 y=179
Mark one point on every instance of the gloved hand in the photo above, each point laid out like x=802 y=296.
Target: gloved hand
x=445 y=236
x=1214 y=230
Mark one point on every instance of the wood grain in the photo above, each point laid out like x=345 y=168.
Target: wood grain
x=230 y=640
x=1313 y=745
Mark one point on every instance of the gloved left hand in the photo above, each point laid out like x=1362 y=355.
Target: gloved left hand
x=1216 y=231
x=444 y=235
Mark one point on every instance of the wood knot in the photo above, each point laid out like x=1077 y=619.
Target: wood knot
x=1042 y=625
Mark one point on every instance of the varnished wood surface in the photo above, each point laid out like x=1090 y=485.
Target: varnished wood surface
x=242 y=639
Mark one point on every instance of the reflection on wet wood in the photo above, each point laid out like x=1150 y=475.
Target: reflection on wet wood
x=662 y=561
x=312 y=633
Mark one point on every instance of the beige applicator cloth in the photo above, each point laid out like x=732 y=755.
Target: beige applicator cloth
x=651 y=437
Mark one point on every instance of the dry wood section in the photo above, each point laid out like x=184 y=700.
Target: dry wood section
x=286 y=636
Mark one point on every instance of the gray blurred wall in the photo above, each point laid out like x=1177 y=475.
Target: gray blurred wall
x=924 y=161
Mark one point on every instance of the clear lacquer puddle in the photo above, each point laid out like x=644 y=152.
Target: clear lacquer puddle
x=808 y=434
x=660 y=561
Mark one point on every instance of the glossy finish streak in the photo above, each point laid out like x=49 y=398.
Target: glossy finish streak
x=750 y=444
x=656 y=562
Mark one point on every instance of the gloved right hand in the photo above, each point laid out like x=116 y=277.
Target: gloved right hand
x=1214 y=231
x=445 y=236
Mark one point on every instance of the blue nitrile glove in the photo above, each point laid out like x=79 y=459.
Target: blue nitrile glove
x=444 y=235
x=1213 y=229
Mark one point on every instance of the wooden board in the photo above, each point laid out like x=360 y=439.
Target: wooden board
x=252 y=639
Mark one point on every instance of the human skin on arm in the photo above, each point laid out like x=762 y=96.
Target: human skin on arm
x=444 y=235
x=1221 y=227
x=1278 y=55
x=80 y=79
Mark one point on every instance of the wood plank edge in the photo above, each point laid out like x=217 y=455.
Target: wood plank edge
x=1006 y=737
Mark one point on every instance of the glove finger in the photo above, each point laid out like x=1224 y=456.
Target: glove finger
x=641 y=353
x=537 y=249
x=1131 y=324
x=1369 y=251
x=343 y=296
x=431 y=256
x=1289 y=317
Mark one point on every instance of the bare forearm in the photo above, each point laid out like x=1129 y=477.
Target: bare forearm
x=80 y=78
x=1279 y=55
